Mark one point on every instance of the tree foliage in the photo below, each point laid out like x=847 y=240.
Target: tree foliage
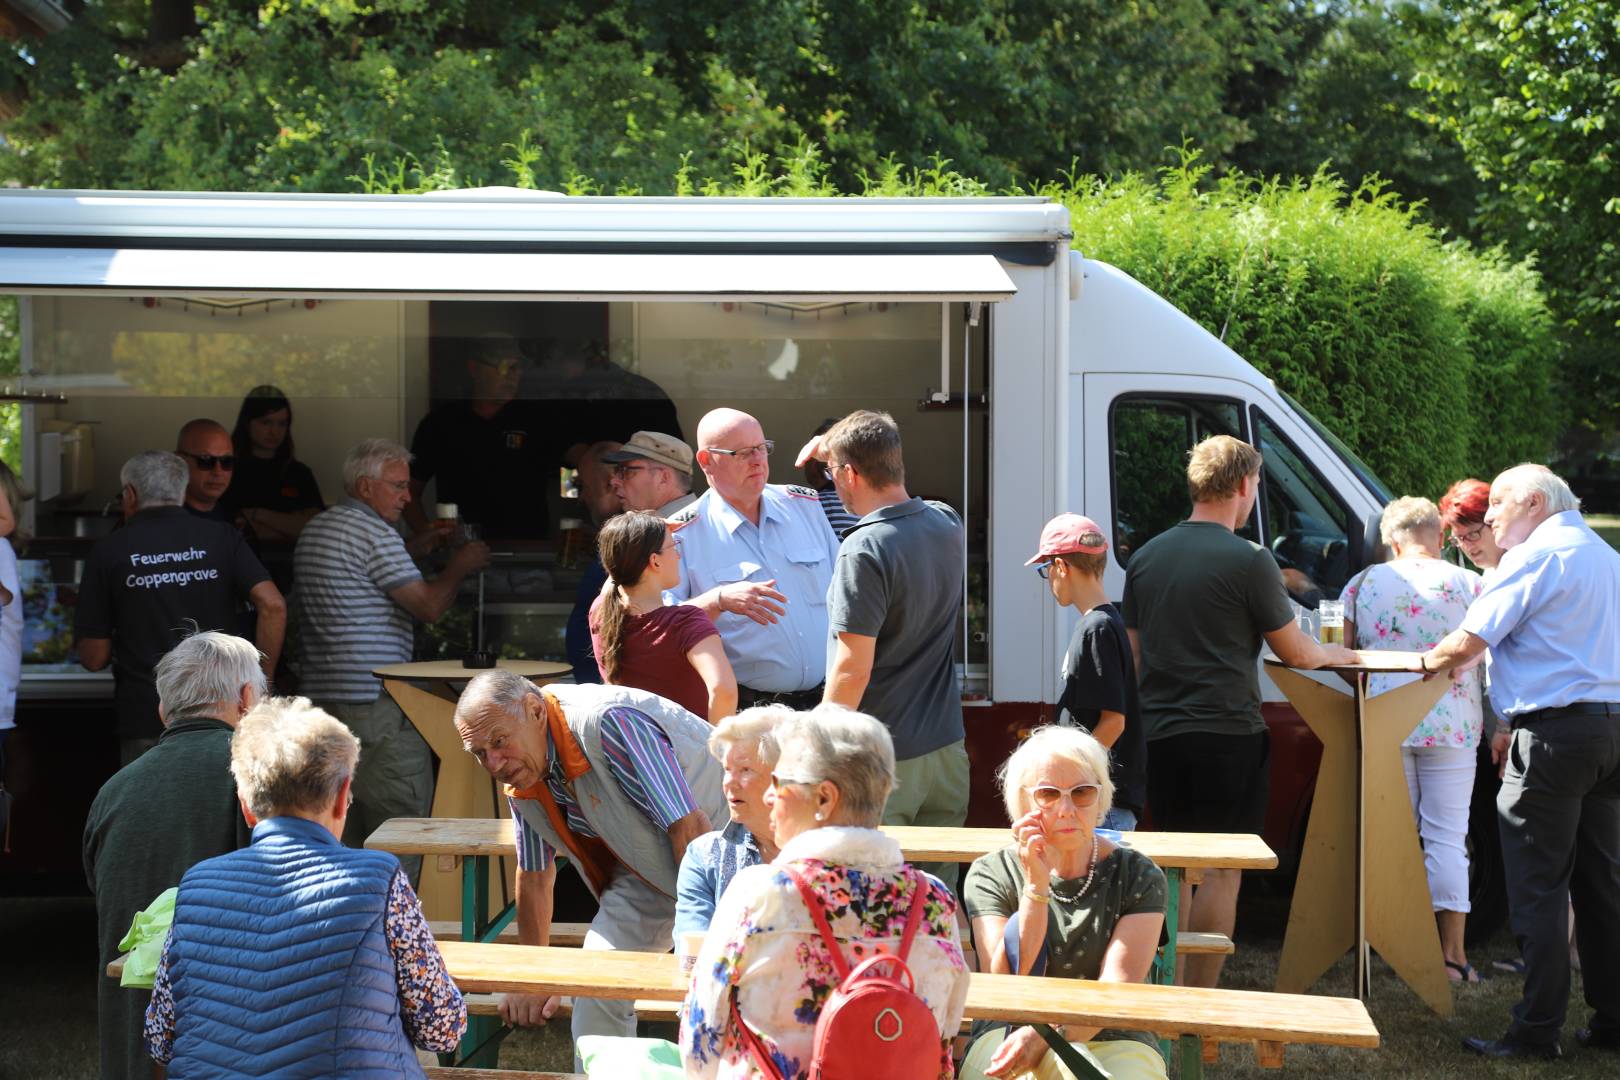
x=1531 y=93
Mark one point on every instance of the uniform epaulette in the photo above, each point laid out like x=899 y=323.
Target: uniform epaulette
x=685 y=514
x=800 y=491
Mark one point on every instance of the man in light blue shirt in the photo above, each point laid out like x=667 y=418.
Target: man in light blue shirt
x=758 y=557
x=1550 y=617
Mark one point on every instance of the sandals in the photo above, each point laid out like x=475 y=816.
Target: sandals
x=1514 y=966
x=1465 y=972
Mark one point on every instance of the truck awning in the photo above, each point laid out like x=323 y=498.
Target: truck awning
x=250 y=274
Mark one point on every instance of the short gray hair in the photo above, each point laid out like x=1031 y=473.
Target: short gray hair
x=1405 y=516
x=289 y=756
x=755 y=727
x=851 y=750
x=1044 y=744
x=1529 y=478
x=158 y=477
x=203 y=670
x=368 y=458
x=494 y=689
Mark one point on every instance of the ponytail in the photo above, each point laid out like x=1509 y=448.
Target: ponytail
x=626 y=544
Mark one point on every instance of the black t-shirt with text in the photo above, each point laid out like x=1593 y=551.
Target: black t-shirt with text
x=493 y=468
x=163 y=575
x=1099 y=675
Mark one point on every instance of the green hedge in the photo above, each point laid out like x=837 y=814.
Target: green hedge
x=1433 y=360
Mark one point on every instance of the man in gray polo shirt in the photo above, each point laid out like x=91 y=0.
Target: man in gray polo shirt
x=358 y=591
x=893 y=608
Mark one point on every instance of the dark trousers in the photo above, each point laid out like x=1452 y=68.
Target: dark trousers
x=1560 y=817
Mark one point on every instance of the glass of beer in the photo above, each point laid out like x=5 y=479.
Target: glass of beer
x=1330 y=614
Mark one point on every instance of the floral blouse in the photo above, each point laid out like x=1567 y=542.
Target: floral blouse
x=763 y=943
x=1408 y=605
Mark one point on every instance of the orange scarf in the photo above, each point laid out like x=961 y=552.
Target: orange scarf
x=593 y=857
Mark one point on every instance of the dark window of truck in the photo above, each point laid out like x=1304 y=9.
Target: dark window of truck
x=1306 y=526
x=1150 y=437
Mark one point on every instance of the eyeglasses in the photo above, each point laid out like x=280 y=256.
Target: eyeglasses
x=397 y=485
x=628 y=469
x=207 y=462
x=761 y=450
x=1468 y=536
x=780 y=782
x=1080 y=796
x=1044 y=570
x=843 y=465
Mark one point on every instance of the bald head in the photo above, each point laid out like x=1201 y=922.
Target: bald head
x=729 y=452
x=206 y=447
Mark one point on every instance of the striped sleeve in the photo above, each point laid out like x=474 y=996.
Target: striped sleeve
x=390 y=565
x=533 y=853
x=642 y=761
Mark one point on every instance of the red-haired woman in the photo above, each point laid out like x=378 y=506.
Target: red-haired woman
x=1462 y=513
x=675 y=651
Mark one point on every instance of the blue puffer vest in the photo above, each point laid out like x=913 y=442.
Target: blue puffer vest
x=280 y=965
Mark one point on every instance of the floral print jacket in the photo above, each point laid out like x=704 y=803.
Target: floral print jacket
x=1409 y=605
x=763 y=945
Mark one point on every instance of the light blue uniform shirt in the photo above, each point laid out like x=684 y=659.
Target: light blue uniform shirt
x=792 y=544
x=1549 y=614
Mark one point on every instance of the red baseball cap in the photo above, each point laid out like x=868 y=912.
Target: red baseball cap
x=1062 y=537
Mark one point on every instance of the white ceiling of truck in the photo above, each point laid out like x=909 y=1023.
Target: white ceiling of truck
x=396 y=275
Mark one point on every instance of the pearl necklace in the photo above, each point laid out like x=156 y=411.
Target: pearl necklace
x=1084 y=885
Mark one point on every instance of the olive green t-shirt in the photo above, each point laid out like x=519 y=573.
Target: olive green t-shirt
x=1077 y=932
x=1201 y=600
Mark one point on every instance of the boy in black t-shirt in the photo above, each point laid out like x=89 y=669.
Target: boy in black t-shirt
x=1099 y=676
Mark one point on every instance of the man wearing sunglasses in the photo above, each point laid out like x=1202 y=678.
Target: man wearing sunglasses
x=206 y=447
x=758 y=557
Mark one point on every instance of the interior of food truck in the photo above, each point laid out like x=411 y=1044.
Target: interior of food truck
x=107 y=376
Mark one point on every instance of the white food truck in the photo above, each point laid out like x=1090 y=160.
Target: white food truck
x=1026 y=379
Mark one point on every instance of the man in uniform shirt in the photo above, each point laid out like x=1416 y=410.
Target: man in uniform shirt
x=211 y=459
x=653 y=471
x=1548 y=616
x=758 y=558
x=163 y=575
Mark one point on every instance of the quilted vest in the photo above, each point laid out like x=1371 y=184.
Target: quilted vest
x=280 y=965
x=634 y=841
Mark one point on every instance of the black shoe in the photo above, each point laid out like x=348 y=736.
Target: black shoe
x=1598 y=1038
x=1509 y=1047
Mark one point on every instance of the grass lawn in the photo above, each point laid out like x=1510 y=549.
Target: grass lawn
x=1606 y=526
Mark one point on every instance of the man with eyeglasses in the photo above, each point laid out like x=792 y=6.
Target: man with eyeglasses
x=758 y=557
x=653 y=471
x=478 y=448
x=206 y=447
x=358 y=592
x=164 y=575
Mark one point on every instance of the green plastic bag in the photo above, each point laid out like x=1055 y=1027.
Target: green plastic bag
x=144 y=942
x=611 y=1057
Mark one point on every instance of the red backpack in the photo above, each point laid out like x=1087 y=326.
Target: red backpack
x=873 y=1025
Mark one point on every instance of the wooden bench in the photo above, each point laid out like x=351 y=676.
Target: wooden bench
x=1193 y=1015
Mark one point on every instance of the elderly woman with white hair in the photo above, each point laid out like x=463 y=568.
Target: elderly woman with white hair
x=358 y=981
x=1063 y=901
x=1409 y=604
x=745 y=745
x=766 y=970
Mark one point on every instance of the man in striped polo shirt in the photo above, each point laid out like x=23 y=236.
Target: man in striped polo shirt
x=357 y=592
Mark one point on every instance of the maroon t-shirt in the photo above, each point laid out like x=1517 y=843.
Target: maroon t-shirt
x=654 y=654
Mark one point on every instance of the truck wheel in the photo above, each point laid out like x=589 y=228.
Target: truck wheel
x=1487 y=881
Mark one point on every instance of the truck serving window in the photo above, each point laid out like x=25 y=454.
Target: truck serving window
x=1150 y=437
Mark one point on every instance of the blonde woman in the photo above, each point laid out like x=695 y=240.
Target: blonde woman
x=1408 y=604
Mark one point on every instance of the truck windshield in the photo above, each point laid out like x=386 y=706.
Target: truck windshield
x=1363 y=472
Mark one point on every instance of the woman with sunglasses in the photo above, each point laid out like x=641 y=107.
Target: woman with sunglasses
x=766 y=967
x=274 y=492
x=673 y=651
x=1065 y=902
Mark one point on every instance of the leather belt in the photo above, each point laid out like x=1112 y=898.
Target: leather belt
x=1577 y=708
x=748 y=697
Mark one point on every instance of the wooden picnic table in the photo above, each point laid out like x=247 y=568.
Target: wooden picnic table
x=1342 y=899
x=1269 y=1020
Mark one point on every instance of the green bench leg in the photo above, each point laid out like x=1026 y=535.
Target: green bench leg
x=1164 y=964
x=1192 y=1057
x=480 y=1047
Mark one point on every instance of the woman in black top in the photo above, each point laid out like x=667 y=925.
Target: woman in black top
x=272 y=492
